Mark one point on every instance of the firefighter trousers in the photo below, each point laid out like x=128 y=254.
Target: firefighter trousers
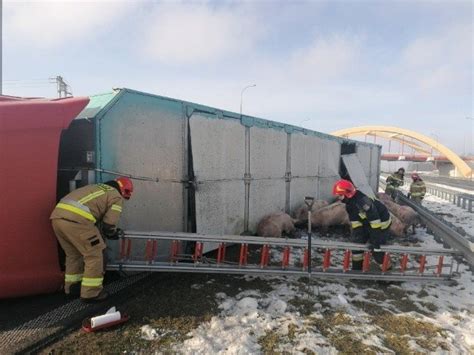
x=376 y=238
x=83 y=245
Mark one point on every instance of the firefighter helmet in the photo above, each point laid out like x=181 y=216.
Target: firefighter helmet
x=126 y=187
x=344 y=188
x=415 y=177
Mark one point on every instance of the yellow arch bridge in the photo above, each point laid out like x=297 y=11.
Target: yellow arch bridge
x=419 y=142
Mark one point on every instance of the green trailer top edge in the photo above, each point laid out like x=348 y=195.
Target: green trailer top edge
x=214 y=113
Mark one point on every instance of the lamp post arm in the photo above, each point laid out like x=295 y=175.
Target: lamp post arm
x=242 y=95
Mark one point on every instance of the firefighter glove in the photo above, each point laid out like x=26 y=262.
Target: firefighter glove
x=118 y=234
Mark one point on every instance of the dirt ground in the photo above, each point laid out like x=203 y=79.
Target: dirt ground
x=178 y=303
x=172 y=306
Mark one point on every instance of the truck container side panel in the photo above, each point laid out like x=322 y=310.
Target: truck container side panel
x=218 y=149
x=374 y=171
x=29 y=142
x=364 y=154
x=376 y=166
x=268 y=156
x=329 y=168
x=305 y=161
x=143 y=136
x=267 y=153
x=315 y=167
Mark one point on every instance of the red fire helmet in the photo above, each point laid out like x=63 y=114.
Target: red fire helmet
x=126 y=187
x=344 y=188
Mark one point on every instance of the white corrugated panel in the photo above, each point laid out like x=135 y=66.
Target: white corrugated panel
x=268 y=151
x=218 y=148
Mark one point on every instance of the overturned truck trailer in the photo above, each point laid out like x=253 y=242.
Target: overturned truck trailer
x=201 y=169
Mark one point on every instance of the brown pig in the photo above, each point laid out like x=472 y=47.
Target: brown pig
x=383 y=197
x=301 y=214
x=334 y=214
x=407 y=215
x=397 y=227
x=275 y=224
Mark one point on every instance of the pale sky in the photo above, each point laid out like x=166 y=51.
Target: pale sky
x=324 y=65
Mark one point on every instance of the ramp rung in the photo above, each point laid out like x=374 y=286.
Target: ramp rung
x=332 y=258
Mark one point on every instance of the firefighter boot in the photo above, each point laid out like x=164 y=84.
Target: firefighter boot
x=357 y=260
x=102 y=296
x=74 y=290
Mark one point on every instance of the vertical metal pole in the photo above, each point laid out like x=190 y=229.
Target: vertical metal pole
x=288 y=173
x=186 y=168
x=309 y=201
x=310 y=235
x=247 y=178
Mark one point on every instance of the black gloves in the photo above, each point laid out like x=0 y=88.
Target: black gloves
x=118 y=234
x=110 y=232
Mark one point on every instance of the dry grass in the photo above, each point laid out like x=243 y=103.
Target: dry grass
x=333 y=327
x=400 y=329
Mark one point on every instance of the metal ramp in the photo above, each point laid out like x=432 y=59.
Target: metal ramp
x=280 y=256
x=357 y=174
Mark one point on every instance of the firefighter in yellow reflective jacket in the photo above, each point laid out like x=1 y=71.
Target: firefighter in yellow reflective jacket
x=370 y=220
x=75 y=221
x=394 y=181
x=417 y=189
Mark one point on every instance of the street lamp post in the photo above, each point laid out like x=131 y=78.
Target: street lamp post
x=242 y=95
x=304 y=120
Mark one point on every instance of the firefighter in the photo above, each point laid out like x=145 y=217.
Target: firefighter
x=79 y=221
x=394 y=181
x=417 y=189
x=370 y=220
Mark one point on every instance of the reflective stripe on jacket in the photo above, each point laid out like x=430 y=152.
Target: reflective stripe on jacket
x=90 y=204
x=362 y=209
x=395 y=180
x=418 y=189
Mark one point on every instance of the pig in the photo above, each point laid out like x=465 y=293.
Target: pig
x=334 y=214
x=407 y=215
x=383 y=197
x=275 y=224
x=301 y=214
x=397 y=227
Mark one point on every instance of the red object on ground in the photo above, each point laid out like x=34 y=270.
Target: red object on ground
x=86 y=324
x=30 y=130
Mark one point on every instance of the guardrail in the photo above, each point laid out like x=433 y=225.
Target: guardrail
x=451 y=181
x=460 y=199
x=442 y=229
